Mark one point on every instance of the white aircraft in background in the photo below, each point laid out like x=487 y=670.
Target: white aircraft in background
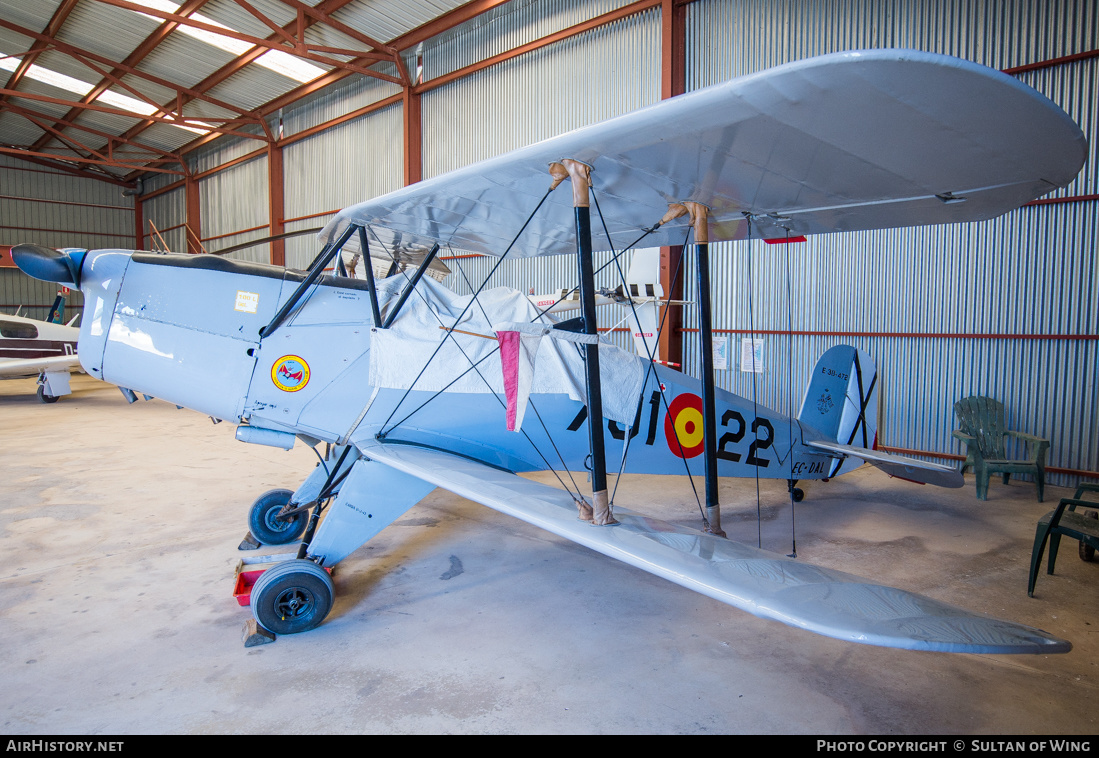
x=40 y=348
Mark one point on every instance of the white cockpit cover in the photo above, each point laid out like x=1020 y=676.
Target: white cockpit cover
x=399 y=354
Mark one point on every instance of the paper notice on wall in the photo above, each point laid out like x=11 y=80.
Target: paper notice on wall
x=751 y=356
x=721 y=353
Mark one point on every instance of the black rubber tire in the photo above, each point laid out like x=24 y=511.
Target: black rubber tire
x=798 y=494
x=271 y=531
x=43 y=397
x=292 y=597
x=1087 y=552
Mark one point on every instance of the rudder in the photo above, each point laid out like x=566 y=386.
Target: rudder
x=841 y=399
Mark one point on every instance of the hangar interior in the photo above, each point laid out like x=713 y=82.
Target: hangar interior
x=122 y=523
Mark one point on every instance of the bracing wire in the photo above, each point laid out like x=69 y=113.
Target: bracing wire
x=473 y=367
x=651 y=367
x=549 y=436
x=449 y=334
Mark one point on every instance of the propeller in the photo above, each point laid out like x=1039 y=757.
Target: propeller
x=49 y=264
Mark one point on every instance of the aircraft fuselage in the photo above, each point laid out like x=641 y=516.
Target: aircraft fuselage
x=185 y=329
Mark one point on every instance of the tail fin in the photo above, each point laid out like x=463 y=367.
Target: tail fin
x=57 y=311
x=841 y=400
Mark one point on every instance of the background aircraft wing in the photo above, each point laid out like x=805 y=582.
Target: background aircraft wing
x=766 y=584
x=843 y=142
x=19 y=367
x=897 y=465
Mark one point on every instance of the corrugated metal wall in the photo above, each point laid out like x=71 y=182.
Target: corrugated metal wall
x=167 y=214
x=597 y=75
x=54 y=208
x=233 y=201
x=1031 y=272
x=346 y=164
x=581 y=80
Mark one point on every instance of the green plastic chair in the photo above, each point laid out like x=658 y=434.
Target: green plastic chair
x=983 y=430
x=1065 y=521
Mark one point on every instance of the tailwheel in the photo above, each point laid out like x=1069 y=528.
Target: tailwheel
x=796 y=493
x=267 y=526
x=292 y=596
x=43 y=397
x=1087 y=552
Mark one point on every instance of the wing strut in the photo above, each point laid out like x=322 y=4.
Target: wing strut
x=315 y=270
x=700 y=222
x=580 y=175
x=410 y=285
x=364 y=248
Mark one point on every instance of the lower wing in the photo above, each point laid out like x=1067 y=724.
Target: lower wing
x=765 y=584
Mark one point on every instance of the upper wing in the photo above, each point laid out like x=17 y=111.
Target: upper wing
x=848 y=141
x=766 y=584
x=896 y=465
x=20 y=367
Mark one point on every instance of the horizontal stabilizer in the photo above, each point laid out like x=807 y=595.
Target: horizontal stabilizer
x=765 y=584
x=897 y=465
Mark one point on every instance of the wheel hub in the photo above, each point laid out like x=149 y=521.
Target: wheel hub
x=294 y=602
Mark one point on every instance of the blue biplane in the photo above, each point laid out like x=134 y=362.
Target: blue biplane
x=413 y=387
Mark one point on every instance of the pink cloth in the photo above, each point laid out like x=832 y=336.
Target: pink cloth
x=517 y=354
x=509 y=361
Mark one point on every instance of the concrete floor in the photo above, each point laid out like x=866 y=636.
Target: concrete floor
x=119 y=535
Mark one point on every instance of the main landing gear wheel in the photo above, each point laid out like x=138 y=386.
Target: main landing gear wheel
x=292 y=596
x=1087 y=552
x=265 y=524
x=43 y=397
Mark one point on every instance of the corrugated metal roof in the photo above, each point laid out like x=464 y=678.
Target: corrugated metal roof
x=169 y=62
x=33 y=13
x=106 y=30
x=384 y=20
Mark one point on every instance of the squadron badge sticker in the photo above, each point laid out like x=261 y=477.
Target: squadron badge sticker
x=290 y=373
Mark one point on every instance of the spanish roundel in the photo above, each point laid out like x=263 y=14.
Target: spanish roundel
x=683 y=425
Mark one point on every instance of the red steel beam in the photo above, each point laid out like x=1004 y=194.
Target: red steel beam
x=929 y=335
x=1052 y=62
x=139 y=54
x=275 y=203
x=84 y=56
x=409 y=39
x=129 y=114
x=624 y=12
x=413 y=137
x=302 y=50
x=51 y=30
x=21 y=153
x=52 y=162
x=231 y=68
x=30 y=115
x=194 y=214
x=673 y=81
